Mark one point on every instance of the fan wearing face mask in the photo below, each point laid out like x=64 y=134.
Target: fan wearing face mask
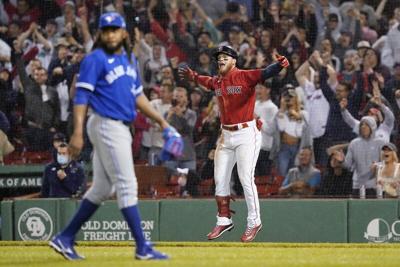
x=64 y=177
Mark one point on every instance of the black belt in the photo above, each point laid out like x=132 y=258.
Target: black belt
x=127 y=123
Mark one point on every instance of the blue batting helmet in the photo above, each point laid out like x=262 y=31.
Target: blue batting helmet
x=112 y=19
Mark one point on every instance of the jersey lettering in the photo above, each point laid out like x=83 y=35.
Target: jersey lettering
x=236 y=95
x=131 y=72
x=234 y=90
x=119 y=71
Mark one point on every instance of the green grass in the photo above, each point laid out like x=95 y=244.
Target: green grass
x=187 y=254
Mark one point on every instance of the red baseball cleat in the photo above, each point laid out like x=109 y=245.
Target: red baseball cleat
x=250 y=233
x=219 y=230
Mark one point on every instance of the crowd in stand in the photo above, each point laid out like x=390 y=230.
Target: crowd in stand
x=330 y=121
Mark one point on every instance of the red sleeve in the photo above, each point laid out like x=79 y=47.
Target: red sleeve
x=251 y=77
x=205 y=81
x=158 y=31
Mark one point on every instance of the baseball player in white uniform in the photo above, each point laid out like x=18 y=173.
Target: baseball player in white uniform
x=240 y=140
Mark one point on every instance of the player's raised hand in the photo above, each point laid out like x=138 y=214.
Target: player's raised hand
x=75 y=145
x=282 y=60
x=187 y=74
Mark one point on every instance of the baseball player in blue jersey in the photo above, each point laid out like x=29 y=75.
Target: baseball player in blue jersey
x=109 y=84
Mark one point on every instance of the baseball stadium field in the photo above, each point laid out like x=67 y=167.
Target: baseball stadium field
x=191 y=254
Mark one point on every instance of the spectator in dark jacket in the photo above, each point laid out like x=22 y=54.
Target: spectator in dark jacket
x=59 y=63
x=7 y=117
x=64 y=177
x=335 y=121
x=5 y=146
x=58 y=139
x=42 y=108
x=389 y=92
x=336 y=180
x=4 y=123
x=7 y=94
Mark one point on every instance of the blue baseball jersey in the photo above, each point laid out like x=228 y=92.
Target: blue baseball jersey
x=114 y=83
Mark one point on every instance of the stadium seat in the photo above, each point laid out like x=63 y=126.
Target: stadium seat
x=173 y=185
x=261 y=180
x=206 y=187
x=13 y=158
x=262 y=190
x=39 y=157
x=160 y=191
x=272 y=187
x=28 y=157
x=141 y=162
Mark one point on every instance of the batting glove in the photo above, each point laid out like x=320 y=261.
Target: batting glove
x=188 y=74
x=173 y=144
x=283 y=61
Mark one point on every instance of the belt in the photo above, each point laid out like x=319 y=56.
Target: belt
x=127 y=123
x=235 y=127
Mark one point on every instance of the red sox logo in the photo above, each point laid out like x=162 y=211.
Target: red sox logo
x=230 y=90
x=234 y=90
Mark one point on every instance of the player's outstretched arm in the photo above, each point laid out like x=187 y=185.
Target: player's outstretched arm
x=147 y=109
x=189 y=75
x=274 y=68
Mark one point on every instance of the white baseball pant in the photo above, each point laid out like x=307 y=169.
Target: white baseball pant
x=241 y=147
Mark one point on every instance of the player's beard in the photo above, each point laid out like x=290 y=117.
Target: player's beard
x=112 y=49
x=223 y=70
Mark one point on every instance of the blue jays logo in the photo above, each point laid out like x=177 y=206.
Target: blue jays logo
x=110 y=18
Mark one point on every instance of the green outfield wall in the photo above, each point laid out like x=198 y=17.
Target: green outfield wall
x=285 y=220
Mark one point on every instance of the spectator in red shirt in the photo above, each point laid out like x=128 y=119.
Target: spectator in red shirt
x=24 y=13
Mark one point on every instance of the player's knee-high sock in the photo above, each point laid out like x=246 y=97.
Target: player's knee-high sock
x=85 y=211
x=132 y=217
